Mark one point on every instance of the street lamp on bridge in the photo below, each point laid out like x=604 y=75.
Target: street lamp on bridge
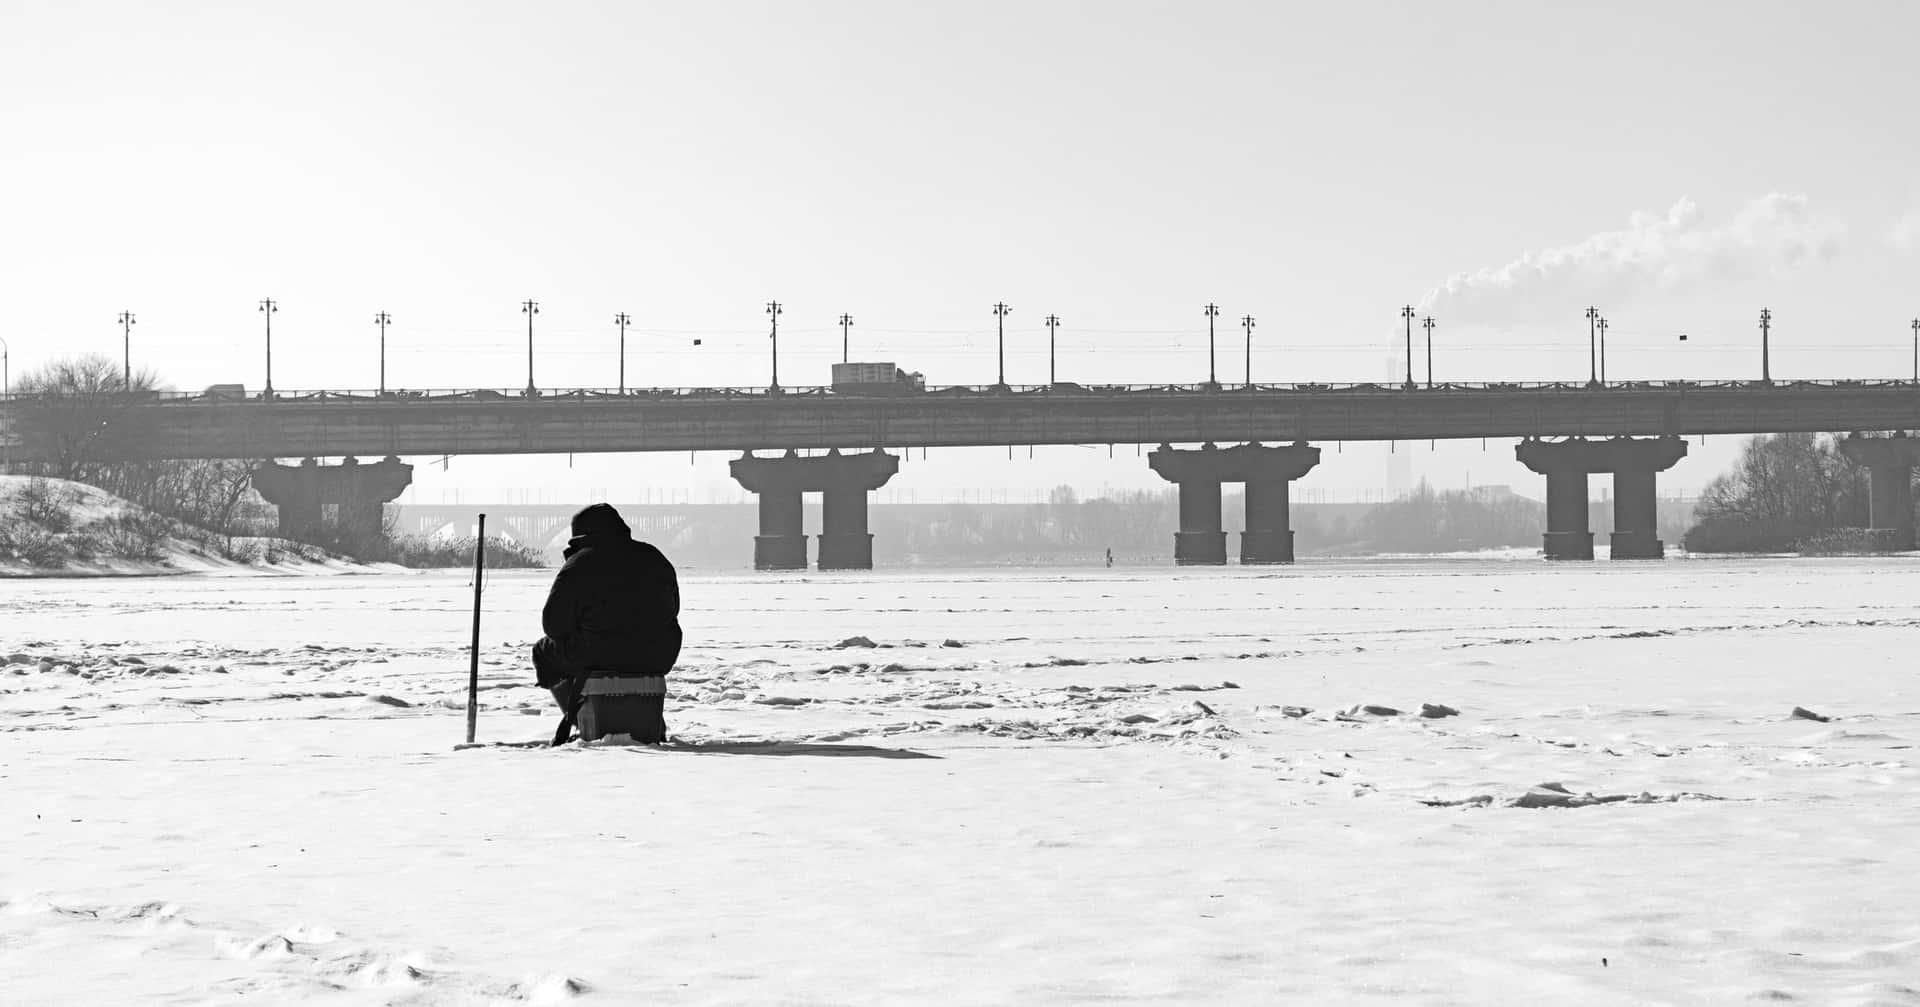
x=1000 y=310
x=1427 y=324
x=1766 y=323
x=1053 y=322
x=773 y=312
x=623 y=320
x=1916 y=351
x=1407 y=313
x=382 y=319
x=846 y=322
x=1212 y=311
x=1601 y=324
x=268 y=308
x=125 y=321
x=530 y=308
x=1593 y=356
x=1246 y=322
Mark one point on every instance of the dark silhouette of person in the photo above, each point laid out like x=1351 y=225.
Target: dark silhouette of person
x=613 y=613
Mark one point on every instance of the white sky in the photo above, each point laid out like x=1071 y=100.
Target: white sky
x=1119 y=164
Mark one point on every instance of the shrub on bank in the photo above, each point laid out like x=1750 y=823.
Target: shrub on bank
x=46 y=524
x=32 y=544
x=1850 y=542
x=1729 y=533
x=1785 y=490
x=46 y=504
x=385 y=545
x=502 y=553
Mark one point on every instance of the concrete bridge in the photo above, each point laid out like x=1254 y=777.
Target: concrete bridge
x=1640 y=425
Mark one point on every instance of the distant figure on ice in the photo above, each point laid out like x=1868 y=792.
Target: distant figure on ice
x=1109 y=556
x=612 y=624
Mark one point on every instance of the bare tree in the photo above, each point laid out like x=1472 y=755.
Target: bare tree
x=82 y=409
x=79 y=409
x=1783 y=489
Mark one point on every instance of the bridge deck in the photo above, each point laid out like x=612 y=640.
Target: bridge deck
x=325 y=424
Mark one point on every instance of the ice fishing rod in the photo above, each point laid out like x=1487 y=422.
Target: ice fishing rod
x=473 y=667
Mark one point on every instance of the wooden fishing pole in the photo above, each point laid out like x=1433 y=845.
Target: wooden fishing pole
x=473 y=668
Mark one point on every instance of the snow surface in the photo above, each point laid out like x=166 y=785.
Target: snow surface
x=246 y=790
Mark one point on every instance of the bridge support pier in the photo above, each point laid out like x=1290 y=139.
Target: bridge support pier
x=1200 y=542
x=1268 y=473
x=843 y=481
x=302 y=492
x=1636 y=513
x=845 y=543
x=781 y=544
x=1889 y=462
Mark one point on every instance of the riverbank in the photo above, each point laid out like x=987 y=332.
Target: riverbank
x=55 y=528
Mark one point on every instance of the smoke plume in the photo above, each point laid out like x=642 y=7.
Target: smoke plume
x=1679 y=250
x=1905 y=233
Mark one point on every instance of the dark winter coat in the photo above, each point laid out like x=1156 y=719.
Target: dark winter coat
x=614 y=606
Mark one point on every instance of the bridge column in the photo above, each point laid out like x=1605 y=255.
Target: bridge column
x=1269 y=477
x=1889 y=462
x=1268 y=473
x=843 y=482
x=1200 y=541
x=845 y=543
x=294 y=493
x=1564 y=463
x=300 y=493
x=1636 y=505
x=781 y=544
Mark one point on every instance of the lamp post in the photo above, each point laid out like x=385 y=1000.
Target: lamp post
x=773 y=312
x=1766 y=323
x=846 y=322
x=530 y=308
x=1593 y=359
x=1916 y=351
x=1246 y=322
x=1053 y=322
x=381 y=319
x=1407 y=313
x=268 y=308
x=1212 y=312
x=1601 y=324
x=623 y=320
x=1000 y=310
x=126 y=351
x=1427 y=324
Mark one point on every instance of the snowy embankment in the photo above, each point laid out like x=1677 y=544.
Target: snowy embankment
x=57 y=528
x=1170 y=787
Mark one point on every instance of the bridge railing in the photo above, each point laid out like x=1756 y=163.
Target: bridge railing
x=1057 y=390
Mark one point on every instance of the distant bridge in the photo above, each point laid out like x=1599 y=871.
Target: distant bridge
x=475 y=422
x=545 y=525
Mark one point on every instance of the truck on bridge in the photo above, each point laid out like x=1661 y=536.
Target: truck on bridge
x=876 y=379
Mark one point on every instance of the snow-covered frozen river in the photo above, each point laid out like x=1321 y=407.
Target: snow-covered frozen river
x=1037 y=786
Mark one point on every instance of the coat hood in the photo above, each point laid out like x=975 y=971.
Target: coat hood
x=600 y=519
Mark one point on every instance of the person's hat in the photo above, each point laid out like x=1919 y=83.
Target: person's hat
x=599 y=519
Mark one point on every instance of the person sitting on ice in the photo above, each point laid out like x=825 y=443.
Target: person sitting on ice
x=612 y=624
